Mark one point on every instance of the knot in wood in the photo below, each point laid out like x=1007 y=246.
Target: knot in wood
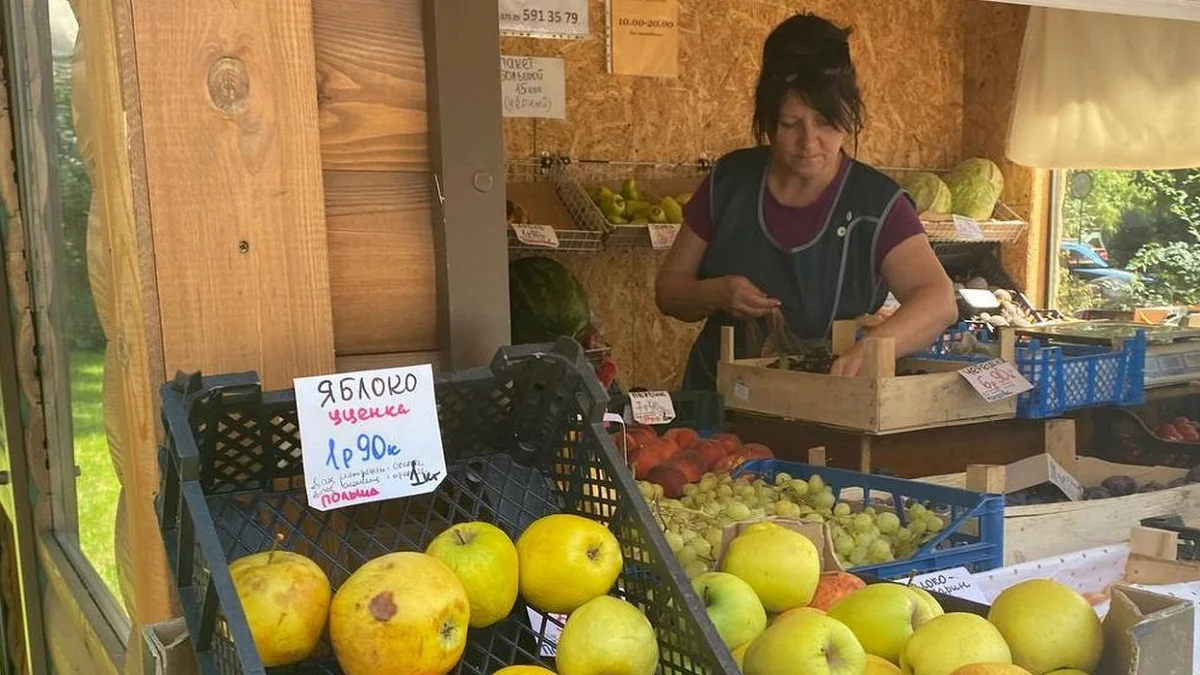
x=229 y=84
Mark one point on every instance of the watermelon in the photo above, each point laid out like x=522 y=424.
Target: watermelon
x=545 y=301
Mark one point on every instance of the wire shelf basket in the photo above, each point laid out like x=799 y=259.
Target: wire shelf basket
x=540 y=188
x=655 y=179
x=1004 y=226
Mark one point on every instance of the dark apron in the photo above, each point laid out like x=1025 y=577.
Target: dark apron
x=832 y=277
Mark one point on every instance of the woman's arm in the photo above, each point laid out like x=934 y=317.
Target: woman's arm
x=927 y=305
x=679 y=293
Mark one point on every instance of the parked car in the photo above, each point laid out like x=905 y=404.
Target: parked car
x=1086 y=264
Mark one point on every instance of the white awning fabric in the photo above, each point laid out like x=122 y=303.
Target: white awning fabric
x=1107 y=91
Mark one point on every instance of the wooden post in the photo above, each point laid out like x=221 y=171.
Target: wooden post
x=1008 y=344
x=1060 y=442
x=727 y=344
x=879 y=358
x=844 y=336
x=989 y=478
x=816 y=456
x=1159 y=544
x=864 y=453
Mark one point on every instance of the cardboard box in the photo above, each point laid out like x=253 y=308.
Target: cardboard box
x=166 y=649
x=1147 y=634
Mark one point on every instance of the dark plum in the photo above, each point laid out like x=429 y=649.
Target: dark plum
x=1119 y=486
x=1096 y=493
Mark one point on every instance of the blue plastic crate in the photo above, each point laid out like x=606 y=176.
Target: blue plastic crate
x=1064 y=377
x=952 y=547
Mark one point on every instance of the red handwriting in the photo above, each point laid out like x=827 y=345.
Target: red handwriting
x=348 y=495
x=363 y=414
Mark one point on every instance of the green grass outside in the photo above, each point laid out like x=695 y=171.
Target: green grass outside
x=97 y=487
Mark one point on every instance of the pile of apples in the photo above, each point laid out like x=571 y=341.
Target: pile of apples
x=1179 y=430
x=780 y=615
x=680 y=456
x=411 y=612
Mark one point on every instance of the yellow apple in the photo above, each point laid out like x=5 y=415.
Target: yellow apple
x=935 y=607
x=485 y=561
x=565 y=560
x=732 y=606
x=523 y=670
x=948 y=642
x=607 y=636
x=798 y=610
x=285 y=597
x=1067 y=671
x=880 y=666
x=883 y=617
x=402 y=608
x=781 y=565
x=808 y=643
x=992 y=669
x=1049 y=626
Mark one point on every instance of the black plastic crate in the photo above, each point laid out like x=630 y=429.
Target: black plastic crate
x=523 y=438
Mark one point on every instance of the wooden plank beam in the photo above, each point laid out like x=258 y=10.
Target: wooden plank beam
x=348 y=364
x=467 y=154
x=371 y=85
x=383 y=278
x=233 y=170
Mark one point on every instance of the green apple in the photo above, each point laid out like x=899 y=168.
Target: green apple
x=883 y=617
x=1049 y=626
x=733 y=607
x=946 y=643
x=485 y=560
x=805 y=642
x=781 y=565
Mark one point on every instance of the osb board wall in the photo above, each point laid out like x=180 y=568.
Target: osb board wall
x=370 y=62
x=911 y=57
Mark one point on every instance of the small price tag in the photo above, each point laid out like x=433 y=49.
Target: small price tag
x=651 y=407
x=1070 y=485
x=740 y=390
x=996 y=380
x=967 y=228
x=956 y=581
x=369 y=436
x=548 y=631
x=662 y=235
x=536 y=235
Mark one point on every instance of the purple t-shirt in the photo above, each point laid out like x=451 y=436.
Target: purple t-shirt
x=794 y=226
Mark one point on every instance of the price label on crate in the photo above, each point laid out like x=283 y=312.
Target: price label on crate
x=967 y=228
x=536 y=235
x=996 y=380
x=544 y=18
x=662 y=235
x=369 y=436
x=651 y=407
x=956 y=581
x=1070 y=485
x=548 y=631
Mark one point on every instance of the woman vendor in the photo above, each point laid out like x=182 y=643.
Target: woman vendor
x=796 y=225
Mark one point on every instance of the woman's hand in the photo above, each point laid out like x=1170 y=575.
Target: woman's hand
x=743 y=299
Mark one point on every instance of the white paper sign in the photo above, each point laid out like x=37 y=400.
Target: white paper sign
x=548 y=630
x=996 y=380
x=533 y=86
x=536 y=235
x=544 y=18
x=662 y=235
x=1070 y=485
x=740 y=389
x=369 y=436
x=651 y=407
x=967 y=228
x=956 y=581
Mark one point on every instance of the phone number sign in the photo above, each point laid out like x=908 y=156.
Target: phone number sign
x=544 y=18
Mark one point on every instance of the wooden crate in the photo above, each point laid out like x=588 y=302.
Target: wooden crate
x=876 y=402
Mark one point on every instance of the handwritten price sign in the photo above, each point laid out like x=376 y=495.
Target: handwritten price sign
x=662 y=235
x=543 y=236
x=651 y=407
x=957 y=582
x=369 y=436
x=996 y=380
x=967 y=228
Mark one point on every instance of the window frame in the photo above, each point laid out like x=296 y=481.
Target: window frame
x=26 y=25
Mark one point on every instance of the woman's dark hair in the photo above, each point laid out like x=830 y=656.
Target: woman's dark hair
x=811 y=57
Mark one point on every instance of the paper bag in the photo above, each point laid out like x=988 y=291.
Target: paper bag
x=817 y=533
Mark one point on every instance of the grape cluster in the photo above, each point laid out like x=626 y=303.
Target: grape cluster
x=694 y=524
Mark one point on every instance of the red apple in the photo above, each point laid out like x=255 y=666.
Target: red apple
x=642 y=435
x=832 y=587
x=683 y=436
x=691 y=463
x=757 y=451
x=650 y=456
x=712 y=452
x=1186 y=431
x=730 y=462
x=731 y=442
x=670 y=477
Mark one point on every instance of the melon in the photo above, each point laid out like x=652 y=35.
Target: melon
x=545 y=301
